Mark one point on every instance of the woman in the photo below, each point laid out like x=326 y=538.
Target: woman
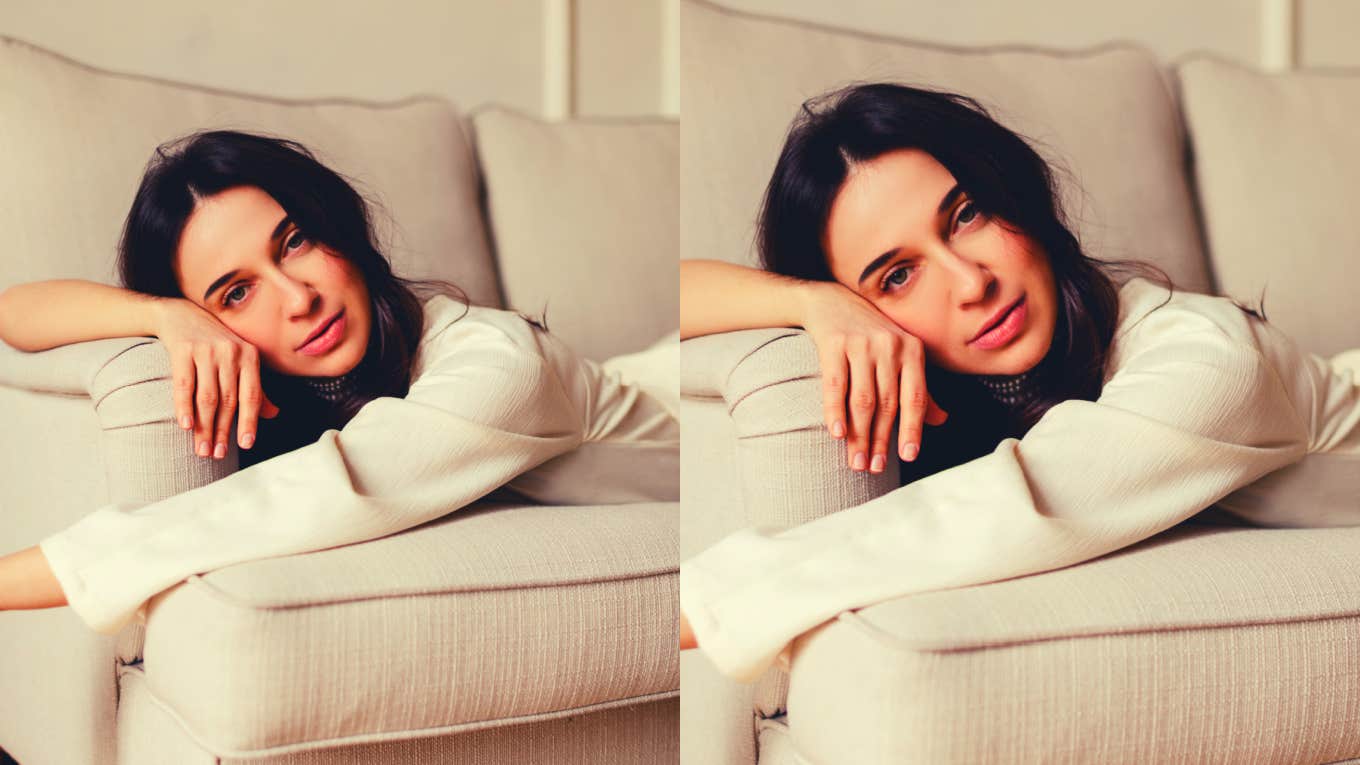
x=920 y=244
x=257 y=268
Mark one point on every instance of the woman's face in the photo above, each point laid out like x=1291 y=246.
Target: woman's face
x=903 y=235
x=244 y=260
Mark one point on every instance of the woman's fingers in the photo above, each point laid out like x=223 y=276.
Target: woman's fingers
x=935 y=415
x=833 y=389
x=913 y=411
x=886 y=379
x=182 y=387
x=917 y=406
x=205 y=401
x=863 y=402
x=228 y=377
x=252 y=398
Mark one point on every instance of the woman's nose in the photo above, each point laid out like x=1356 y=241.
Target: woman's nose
x=299 y=296
x=972 y=279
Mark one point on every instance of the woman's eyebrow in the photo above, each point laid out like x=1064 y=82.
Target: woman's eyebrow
x=878 y=262
x=228 y=276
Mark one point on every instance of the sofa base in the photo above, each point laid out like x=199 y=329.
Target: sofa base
x=641 y=734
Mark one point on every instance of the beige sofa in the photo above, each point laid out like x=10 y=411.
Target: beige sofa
x=1207 y=643
x=500 y=634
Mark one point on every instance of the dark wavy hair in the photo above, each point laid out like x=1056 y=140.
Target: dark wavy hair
x=1009 y=182
x=327 y=209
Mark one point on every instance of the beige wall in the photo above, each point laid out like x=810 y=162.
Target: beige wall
x=1327 y=30
x=1269 y=34
x=553 y=58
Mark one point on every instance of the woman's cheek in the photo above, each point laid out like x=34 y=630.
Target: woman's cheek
x=265 y=340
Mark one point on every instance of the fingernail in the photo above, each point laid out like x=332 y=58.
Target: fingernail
x=220 y=451
x=202 y=448
x=876 y=465
x=858 y=464
x=909 y=452
x=837 y=430
x=185 y=422
x=247 y=440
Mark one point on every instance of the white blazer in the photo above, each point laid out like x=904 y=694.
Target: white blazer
x=1201 y=404
x=493 y=403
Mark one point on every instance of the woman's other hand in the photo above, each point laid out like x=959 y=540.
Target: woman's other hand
x=687 y=639
x=27 y=581
x=214 y=370
x=868 y=365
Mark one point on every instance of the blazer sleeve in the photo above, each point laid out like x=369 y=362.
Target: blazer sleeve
x=1179 y=426
x=484 y=409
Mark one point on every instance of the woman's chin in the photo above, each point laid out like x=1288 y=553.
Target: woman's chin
x=321 y=367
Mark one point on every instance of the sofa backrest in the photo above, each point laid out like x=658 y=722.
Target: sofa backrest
x=1107 y=116
x=1276 y=159
x=585 y=224
x=74 y=141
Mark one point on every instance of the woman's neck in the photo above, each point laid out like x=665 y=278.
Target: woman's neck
x=332 y=389
x=1012 y=390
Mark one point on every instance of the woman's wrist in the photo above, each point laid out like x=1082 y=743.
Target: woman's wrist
x=156 y=312
x=807 y=294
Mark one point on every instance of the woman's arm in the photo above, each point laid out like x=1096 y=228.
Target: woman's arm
x=724 y=297
x=42 y=315
x=1182 y=424
x=485 y=408
x=27 y=581
x=213 y=369
x=868 y=363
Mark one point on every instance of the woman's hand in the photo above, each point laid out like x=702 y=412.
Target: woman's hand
x=27 y=581
x=870 y=363
x=213 y=370
x=687 y=639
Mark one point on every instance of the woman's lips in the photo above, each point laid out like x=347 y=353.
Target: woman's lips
x=1004 y=332
x=328 y=339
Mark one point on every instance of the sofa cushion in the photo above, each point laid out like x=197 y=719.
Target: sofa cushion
x=1240 y=642
x=484 y=617
x=1107 y=115
x=74 y=141
x=1277 y=162
x=585 y=225
x=635 y=734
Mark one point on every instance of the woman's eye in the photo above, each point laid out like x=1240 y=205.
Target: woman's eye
x=967 y=213
x=896 y=277
x=239 y=291
x=296 y=241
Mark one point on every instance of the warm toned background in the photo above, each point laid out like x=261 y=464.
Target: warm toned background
x=550 y=58
x=1267 y=34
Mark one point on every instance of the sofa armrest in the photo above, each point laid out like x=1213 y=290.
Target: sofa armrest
x=757 y=453
x=145 y=456
x=86 y=425
x=767 y=385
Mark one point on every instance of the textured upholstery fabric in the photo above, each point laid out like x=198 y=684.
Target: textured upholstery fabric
x=483 y=616
x=715 y=711
x=744 y=77
x=636 y=734
x=1277 y=160
x=776 y=745
x=584 y=216
x=81 y=428
x=1203 y=643
x=413 y=158
x=785 y=470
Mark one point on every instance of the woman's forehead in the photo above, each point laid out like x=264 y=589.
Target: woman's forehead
x=227 y=230
x=882 y=200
